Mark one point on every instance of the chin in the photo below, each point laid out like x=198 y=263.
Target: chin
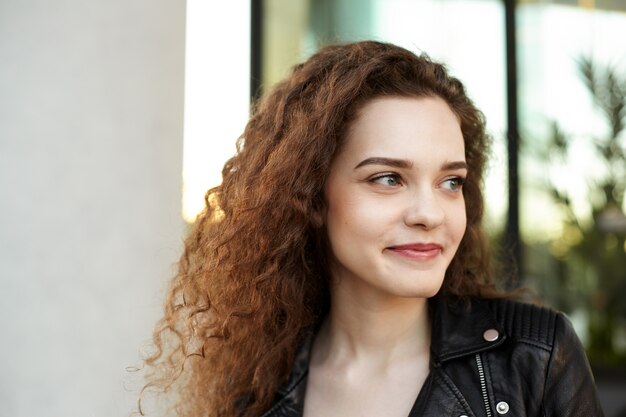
x=420 y=292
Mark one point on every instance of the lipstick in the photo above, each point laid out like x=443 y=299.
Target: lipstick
x=418 y=251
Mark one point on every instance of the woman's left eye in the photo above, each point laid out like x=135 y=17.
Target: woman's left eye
x=454 y=184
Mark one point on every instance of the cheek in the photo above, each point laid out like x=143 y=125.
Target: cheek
x=346 y=218
x=458 y=222
x=357 y=219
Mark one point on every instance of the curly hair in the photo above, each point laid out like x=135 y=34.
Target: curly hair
x=253 y=277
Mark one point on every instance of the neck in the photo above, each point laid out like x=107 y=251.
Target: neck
x=372 y=327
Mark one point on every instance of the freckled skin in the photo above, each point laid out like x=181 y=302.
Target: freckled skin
x=365 y=217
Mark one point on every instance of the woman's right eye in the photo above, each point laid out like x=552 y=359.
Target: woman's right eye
x=387 y=179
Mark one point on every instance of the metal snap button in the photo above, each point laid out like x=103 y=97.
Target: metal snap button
x=491 y=335
x=502 y=407
x=463 y=415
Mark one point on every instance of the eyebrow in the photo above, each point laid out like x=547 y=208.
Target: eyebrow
x=454 y=165
x=392 y=162
x=405 y=163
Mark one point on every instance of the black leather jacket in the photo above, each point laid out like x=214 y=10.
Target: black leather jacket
x=497 y=358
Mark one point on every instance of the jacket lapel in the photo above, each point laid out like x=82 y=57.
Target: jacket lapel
x=458 y=328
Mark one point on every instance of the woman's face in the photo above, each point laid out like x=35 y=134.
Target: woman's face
x=395 y=209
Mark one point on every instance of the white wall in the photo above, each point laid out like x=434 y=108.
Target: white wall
x=91 y=121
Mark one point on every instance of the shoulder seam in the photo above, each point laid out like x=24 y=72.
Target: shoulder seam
x=531 y=324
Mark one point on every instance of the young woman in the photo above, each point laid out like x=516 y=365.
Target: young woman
x=341 y=268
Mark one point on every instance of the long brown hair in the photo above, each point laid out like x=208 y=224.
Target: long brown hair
x=253 y=277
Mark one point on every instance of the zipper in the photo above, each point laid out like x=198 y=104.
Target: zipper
x=483 y=384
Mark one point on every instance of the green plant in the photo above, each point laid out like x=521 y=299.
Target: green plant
x=592 y=251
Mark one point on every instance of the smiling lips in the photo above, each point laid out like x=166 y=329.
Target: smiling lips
x=418 y=251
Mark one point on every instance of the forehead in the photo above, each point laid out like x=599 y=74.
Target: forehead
x=405 y=127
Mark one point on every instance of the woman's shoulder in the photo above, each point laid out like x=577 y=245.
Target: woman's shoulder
x=489 y=322
x=541 y=338
x=537 y=324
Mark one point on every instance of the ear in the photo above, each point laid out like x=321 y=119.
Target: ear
x=317 y=219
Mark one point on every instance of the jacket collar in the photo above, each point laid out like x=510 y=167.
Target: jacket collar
x=462 y=328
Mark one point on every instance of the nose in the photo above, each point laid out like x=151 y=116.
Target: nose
x=424 y=209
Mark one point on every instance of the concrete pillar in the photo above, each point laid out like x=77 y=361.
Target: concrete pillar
x=91 y=120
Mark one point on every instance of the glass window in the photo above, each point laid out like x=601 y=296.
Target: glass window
x=217 y=94
x=572 y=87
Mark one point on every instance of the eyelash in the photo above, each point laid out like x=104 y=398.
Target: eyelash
x=460 y=181
x=457 y=181
x=392 y=175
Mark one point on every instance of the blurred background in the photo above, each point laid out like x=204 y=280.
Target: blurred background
x=115 y=117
